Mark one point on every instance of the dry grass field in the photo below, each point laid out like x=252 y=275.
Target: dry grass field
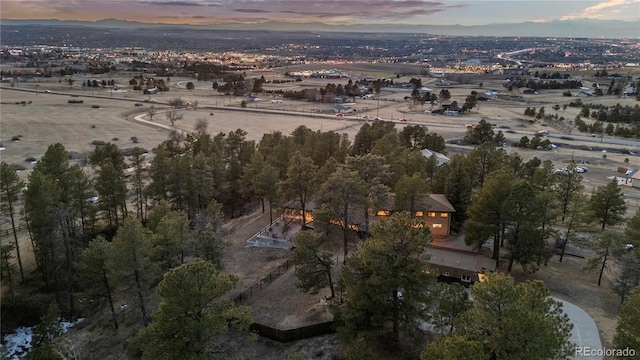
x=47 y=117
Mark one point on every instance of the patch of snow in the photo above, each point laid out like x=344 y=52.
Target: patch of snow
x=18 y=344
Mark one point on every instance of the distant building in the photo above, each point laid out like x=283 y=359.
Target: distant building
x=440 y=158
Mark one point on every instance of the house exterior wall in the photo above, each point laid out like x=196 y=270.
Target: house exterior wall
x=439 y=223
x=455 y=273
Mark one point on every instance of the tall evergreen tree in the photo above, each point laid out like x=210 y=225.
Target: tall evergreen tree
x=110 y=182
x=7 y=270
x=343 y=196
x=567 y=187
x=300 y=183
x=628 y=329
x=10 y=188
x=96 y=279
x=517 y=321
x=132 y=264
x=313 y=266
x=373 y=170
x=489 y=213
x=193 y=312
x=386 y=280
x=607 y=205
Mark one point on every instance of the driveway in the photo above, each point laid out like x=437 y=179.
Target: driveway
x=585 y=331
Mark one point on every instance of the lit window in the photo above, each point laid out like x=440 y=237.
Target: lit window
x=419 y=214
x=437 y=226
x=431 y=214
x=465 y=278
x=444 y=215
x=382 y=213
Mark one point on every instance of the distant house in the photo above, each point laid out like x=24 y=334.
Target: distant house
x=343 y=109
x=585 y=93
x=515 y=71
x=440 y=158
x=635 y=179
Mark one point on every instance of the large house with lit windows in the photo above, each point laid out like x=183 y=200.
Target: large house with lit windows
x=434 y=209
x=449 y=256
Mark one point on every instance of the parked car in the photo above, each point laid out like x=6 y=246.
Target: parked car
x=562 y=171
x=629 y=172
x=581 y=169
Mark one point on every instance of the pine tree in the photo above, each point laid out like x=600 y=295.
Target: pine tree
x=387 y=279
x=607 y=205
x=313 y=266
x=628 y=329
x=503 y=311
x=10 y=188
x=193 y=312
x=95 y=277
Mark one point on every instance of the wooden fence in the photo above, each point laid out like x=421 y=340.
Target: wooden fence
x=9 y=231
x=294 y=334
x=257 y=286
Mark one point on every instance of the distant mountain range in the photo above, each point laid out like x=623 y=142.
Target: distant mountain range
x=584 y=28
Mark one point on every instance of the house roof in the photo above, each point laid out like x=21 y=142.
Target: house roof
x=440 y=158
x=463 y=260
x=439 y=202
x=635 y=175
x=432 y=202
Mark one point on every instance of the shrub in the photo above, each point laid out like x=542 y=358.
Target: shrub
x=134 y=139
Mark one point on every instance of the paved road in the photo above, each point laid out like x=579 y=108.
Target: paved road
x=585 y=331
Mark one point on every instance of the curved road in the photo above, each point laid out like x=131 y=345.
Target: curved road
x=585 y=331
x=625 y=142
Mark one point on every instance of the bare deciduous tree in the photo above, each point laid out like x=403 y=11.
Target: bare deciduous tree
x=151 y=112
x=201 y=126
x=173 y=116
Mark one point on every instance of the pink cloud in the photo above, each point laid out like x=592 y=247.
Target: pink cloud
x=330 y=11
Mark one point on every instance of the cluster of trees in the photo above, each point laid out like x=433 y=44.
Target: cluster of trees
x=483 y=132
x=536 y=142
x=96 y=83
x=387 y=284
x=138 y=82
x=553 y=75
x=543 y=85
x=615 y=114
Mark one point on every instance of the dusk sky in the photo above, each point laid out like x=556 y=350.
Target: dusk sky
x=419 y=12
